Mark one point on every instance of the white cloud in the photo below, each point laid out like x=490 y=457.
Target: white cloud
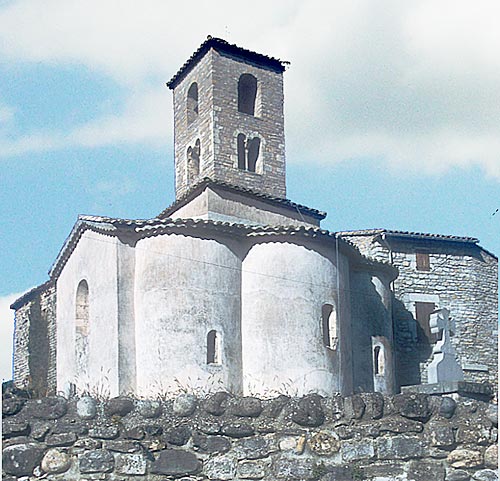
x=6 y=335
x=416 y=84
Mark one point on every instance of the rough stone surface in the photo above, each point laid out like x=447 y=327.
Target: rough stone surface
x=465 y=458
x=457 y=475
x=184 y=405
x=485 y=475
x=149 y=409
x=48 y=408
x=492 y=414
x=354 y=407
x=309 y=412
x=174 y=462
x=225 y=446
x=97 y=461
x=55 y=461
x=247 y=407
x=491 y=457
x=21 y=460
x=447 y=407
x=324 y=443
x=217 y=403
x=86 y=407
x=119 y=406
x=132 y=464
x=412 y=406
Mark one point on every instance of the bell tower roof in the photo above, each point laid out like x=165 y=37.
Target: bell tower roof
x=223 y=47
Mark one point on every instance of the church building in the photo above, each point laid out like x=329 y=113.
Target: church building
x=234 y=287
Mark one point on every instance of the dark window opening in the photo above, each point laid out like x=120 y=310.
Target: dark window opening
x=329 y=326
x=192 y=102
x=423 y=261
x=423 y=312
x=193 y=161
x=213 y=348
x=378 y=361
x=247 y=93
x=242 y=155
x=248 y=153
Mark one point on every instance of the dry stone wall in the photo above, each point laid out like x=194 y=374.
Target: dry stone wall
x=363 y=437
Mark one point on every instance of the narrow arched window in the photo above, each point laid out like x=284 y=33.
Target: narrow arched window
x=242 y=153
x=253 y=149
x=378 y=361
x=247 y=93
x=213 y=348
x=329 y=326
x=192 y=102
x=82 y=326
x=193 y=161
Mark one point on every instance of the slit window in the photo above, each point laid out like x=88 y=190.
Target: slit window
x=378 y=361
x=192 y=103
x=213 y=348
x=247 y=93
x=82 y=326
x=193 y=161
x=329 y=326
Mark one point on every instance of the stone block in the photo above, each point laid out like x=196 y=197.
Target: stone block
x=104 y=432
x=354 y=407
x=175 y=462
x=465 y=458
x=457 y=475
x=119 y=406
x=131 y=464
x=358 y=450
x=252 y=469
x=253 y=448
x=149 y=409
x=11 y=429
x=441 y=435
x=178 y=435
x=11 y=406
x=399 y=425
x=55 y=461
x=21 y=459
x=485 y=475
x=447 y=407
x=86 y=407
x=238 y=430
x=275 y=406
x=211 y=444
x=423 y=470
x=184 y=405
x=48 y=408
x=400 y=447
x=309 y=412
x=491 y=457
x=413 y=406
x=97 y=461
x=492 y=414
x=220 y=468
x=217 y=403
x=324 y=443
x=123 y=446
x=62 y=439
x=246 y=407
x=291 y=468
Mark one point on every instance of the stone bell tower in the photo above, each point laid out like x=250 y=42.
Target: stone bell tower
x=228 y=119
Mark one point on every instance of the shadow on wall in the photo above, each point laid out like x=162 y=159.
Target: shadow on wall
x=412 y=346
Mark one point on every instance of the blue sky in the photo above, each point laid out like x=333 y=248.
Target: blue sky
x=392 y=115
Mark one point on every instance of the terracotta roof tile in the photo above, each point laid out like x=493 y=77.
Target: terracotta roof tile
x=222 y=46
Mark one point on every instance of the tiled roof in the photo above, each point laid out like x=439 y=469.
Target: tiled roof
x=200 y=186
x=151 y=227
x=412 y=235
x=222 y=46
x=27 y=296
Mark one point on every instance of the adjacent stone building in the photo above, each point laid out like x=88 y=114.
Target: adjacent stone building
x=236 y=287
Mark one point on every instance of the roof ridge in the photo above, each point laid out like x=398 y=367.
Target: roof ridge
x=221 y=44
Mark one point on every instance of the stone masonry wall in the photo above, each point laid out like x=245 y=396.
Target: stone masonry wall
x=463 y=278
x=407 y=437
x=35 y=343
